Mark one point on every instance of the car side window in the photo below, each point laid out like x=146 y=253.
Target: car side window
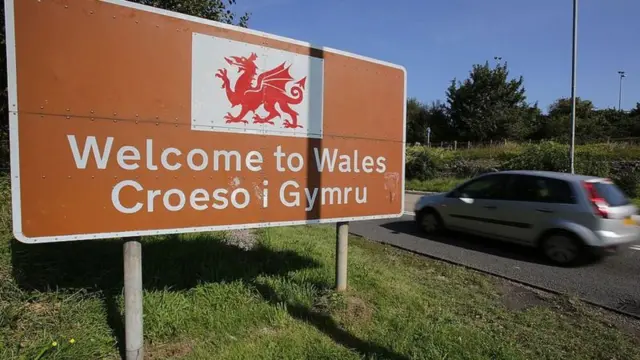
x=486 y=187
x=560 y=192
x=541 y=189
x=524 y=188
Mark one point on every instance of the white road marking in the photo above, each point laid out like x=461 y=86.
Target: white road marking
x=634 y=247
x=411 y=213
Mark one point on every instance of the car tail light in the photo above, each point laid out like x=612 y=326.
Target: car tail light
x=600 y=204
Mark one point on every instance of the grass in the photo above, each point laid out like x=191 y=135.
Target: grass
x=435 y=185
x=208 y=299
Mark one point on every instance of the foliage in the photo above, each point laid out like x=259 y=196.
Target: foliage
x=618 y=162
x=217 y=10
x=488 y=105
x=548 y=156
x=483 y=105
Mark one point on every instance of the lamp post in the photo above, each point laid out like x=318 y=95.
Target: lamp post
x=622 y=75
x=573 y=85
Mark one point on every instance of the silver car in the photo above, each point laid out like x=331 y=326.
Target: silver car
x=565 y=216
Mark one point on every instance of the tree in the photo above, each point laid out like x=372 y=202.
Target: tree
x=526 y=123
x=483 y=106
x=416 y=122
x=591 y=124
x=440 y=122
x=420 y=117
x=635 y=111
x=217 y=10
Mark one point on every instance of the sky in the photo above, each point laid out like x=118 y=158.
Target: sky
x=439 y=40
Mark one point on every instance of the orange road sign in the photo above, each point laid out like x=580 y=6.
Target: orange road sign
x=128 y=120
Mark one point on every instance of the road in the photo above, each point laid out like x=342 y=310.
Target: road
x=612 y=282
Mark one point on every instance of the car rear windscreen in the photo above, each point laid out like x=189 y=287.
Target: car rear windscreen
x=611 y=194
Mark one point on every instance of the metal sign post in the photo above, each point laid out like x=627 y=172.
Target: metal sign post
x=134 y=340
x=342 y=249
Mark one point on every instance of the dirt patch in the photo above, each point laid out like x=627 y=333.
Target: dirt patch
x=168 y=351
x=244 y=239
x=357 y=310
x=518 y=297
x=42 y=307
x=345 y=307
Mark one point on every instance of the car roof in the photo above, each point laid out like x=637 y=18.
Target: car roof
x=549 y=174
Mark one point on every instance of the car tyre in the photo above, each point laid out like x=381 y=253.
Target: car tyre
x=562 y=248
x=429 y=221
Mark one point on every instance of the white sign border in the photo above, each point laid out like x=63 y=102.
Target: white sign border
x=14 y=140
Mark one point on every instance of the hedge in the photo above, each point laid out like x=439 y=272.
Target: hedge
x=617 y=162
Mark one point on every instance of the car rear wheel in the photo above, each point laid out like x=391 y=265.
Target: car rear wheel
x=562 y=249
x=429 y=221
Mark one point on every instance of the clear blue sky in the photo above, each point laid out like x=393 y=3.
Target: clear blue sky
x=439 y=40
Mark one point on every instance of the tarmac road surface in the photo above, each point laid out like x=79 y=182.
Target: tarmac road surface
x=613 y=282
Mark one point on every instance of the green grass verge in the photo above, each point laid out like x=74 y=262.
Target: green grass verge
x=206 y=299
x=435 y=185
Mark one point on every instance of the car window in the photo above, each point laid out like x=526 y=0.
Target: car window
x=485 y=187
x=611 y=194
x=541 y=189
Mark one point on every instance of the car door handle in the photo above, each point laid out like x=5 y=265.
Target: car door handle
x=490 y=207
x=544 y=210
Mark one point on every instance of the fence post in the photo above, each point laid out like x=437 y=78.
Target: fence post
x=468 y=144
x=455 y=145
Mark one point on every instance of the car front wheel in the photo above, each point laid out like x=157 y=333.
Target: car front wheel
x=429 y=221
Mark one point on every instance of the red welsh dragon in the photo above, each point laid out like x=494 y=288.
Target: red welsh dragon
x=268 y=91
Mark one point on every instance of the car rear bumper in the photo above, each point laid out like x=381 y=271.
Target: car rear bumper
x=601 y=251
x=610 y=238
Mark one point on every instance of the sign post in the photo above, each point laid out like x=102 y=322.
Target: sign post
x=129 y=121
x=133 y=299
x=342 y=248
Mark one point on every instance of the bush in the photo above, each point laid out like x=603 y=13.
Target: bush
x=626 y=174
x=468 y=168
x=546 y=156
x=424 y=163
x=615 y=161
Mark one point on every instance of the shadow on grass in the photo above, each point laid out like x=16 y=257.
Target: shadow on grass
x=328 y=326
x=169 y=263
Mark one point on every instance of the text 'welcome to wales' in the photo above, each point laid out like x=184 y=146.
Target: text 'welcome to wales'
x=131 y=158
